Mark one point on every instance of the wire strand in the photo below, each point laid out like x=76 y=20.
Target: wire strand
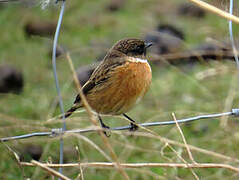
x=231 y=35
x=58 y=132
x=56 y=78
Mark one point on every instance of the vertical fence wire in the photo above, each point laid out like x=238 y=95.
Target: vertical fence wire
x=56 y=79
x=231 y=35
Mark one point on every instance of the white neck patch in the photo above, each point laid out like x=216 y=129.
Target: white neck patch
x=139 y=60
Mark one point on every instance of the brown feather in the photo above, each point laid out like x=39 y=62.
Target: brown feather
x=117 y=83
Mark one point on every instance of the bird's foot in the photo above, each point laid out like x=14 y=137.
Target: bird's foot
x=104 y=127
x=133 y=127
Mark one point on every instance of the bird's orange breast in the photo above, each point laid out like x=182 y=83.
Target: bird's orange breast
x=126 y=85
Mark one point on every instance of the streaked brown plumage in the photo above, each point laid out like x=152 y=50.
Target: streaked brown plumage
x=120 y=80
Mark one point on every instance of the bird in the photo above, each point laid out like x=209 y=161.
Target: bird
x=119 y=82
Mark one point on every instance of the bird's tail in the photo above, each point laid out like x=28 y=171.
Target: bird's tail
x=70 y=111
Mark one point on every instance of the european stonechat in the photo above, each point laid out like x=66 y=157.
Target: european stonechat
x=119 y=81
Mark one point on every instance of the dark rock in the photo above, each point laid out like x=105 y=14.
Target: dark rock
x=40 y=28
x=163 y=43
x=11 y=80
x=211 y=50
x=171 y=30
x=115 y=5
x=188 y=9
x=31 y=152
x=206 y=51
x=209 y=46
x=59 y=51
x=84 y=73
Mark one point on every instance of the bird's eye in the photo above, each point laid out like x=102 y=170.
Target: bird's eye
x=137 y=50
x=140 y=47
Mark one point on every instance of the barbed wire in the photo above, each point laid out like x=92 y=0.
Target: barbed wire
x=59 y=131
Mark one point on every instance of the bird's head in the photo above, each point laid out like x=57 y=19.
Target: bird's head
x=132 y=47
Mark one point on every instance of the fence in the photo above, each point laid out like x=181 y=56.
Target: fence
x=121 y=166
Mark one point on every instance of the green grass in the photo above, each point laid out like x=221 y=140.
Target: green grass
x=88 y=30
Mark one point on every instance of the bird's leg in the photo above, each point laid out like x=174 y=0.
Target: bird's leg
x=103 y=126
x=133 y=126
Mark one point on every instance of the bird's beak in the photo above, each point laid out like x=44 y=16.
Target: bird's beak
x=148 y=44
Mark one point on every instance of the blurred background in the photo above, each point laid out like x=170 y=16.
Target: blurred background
x=194 y=73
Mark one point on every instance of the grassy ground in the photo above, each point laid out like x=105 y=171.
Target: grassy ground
x=88 y=30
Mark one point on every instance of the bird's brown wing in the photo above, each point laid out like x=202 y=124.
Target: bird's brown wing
x=100 y=75
x=88 y=86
